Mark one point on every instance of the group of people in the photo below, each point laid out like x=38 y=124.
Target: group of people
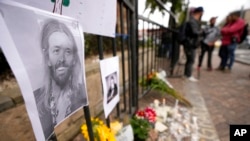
x=195 y=36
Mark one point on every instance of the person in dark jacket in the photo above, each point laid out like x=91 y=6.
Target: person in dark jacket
x=193 y=33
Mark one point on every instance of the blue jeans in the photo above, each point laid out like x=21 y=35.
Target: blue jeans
x=223 y=55
x=231 y=49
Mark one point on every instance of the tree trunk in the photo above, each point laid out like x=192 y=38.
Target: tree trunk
x=171 y=19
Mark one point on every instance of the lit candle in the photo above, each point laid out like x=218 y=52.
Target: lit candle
x=176 y=102
x=179 y=131
x=156 y=103
x=163 y=101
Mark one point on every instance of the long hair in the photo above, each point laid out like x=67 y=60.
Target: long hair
x=50 y=27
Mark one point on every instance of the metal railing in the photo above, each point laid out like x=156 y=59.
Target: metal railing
x=143 y=48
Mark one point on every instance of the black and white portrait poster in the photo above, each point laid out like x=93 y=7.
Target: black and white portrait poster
x=110 y=82
x=45 y=52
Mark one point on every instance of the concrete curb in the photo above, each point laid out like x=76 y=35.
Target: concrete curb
x=242 y=61
x=5 y=103
x=242 y=56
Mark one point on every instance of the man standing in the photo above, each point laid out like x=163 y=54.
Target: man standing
x=193 y=38
x=63 y=90
x=211 y=34
x=234 y=31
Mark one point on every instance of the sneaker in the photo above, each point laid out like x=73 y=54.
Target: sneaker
x=192 y=79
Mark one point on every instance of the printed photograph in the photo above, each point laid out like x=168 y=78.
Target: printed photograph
x=62 y=92
x=50 y=52
x=111 y=81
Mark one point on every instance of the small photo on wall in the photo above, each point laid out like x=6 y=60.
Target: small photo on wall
x=111 y=81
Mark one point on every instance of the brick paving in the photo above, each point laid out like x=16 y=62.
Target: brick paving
x=226 y=96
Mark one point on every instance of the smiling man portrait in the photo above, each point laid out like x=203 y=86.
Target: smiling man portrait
x=63 y=91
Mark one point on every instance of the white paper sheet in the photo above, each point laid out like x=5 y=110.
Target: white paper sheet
x=110 y=82
x=21 y=31
x=160 y=126
x=96 y=16
x=126 y=134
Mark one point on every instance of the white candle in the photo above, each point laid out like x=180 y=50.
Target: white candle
x=179 y=131
x=156 y=103
x=176 y=102
x=163 y=102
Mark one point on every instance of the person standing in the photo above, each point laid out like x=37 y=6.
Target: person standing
x=211 y=34
x=193 y=38
x=225 y=41
x=234 y=31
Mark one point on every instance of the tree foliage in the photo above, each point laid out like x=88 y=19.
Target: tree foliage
x=153 y=5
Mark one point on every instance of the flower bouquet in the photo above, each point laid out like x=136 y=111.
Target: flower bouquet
x=141 y=123
x=100 y=130
x=157 y=81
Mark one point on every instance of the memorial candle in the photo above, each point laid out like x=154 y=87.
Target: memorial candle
x=163 y=102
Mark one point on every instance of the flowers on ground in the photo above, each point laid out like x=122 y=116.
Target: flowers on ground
x=100 y=130
x=141 y=123
x=157 y=81
x=148 y=114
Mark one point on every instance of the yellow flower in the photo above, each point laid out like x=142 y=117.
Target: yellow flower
x=100 y=130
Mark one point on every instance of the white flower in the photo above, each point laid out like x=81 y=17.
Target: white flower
x=162 y=75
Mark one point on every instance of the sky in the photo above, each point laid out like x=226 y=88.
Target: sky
x=220 y=8
x=212 y=8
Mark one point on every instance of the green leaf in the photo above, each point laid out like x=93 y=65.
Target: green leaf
x=153 y=6
x=64 y=3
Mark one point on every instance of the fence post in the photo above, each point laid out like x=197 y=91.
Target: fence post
x=88 y=122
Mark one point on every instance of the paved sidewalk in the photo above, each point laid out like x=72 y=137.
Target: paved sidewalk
x=227 y=95
x=243 y=56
